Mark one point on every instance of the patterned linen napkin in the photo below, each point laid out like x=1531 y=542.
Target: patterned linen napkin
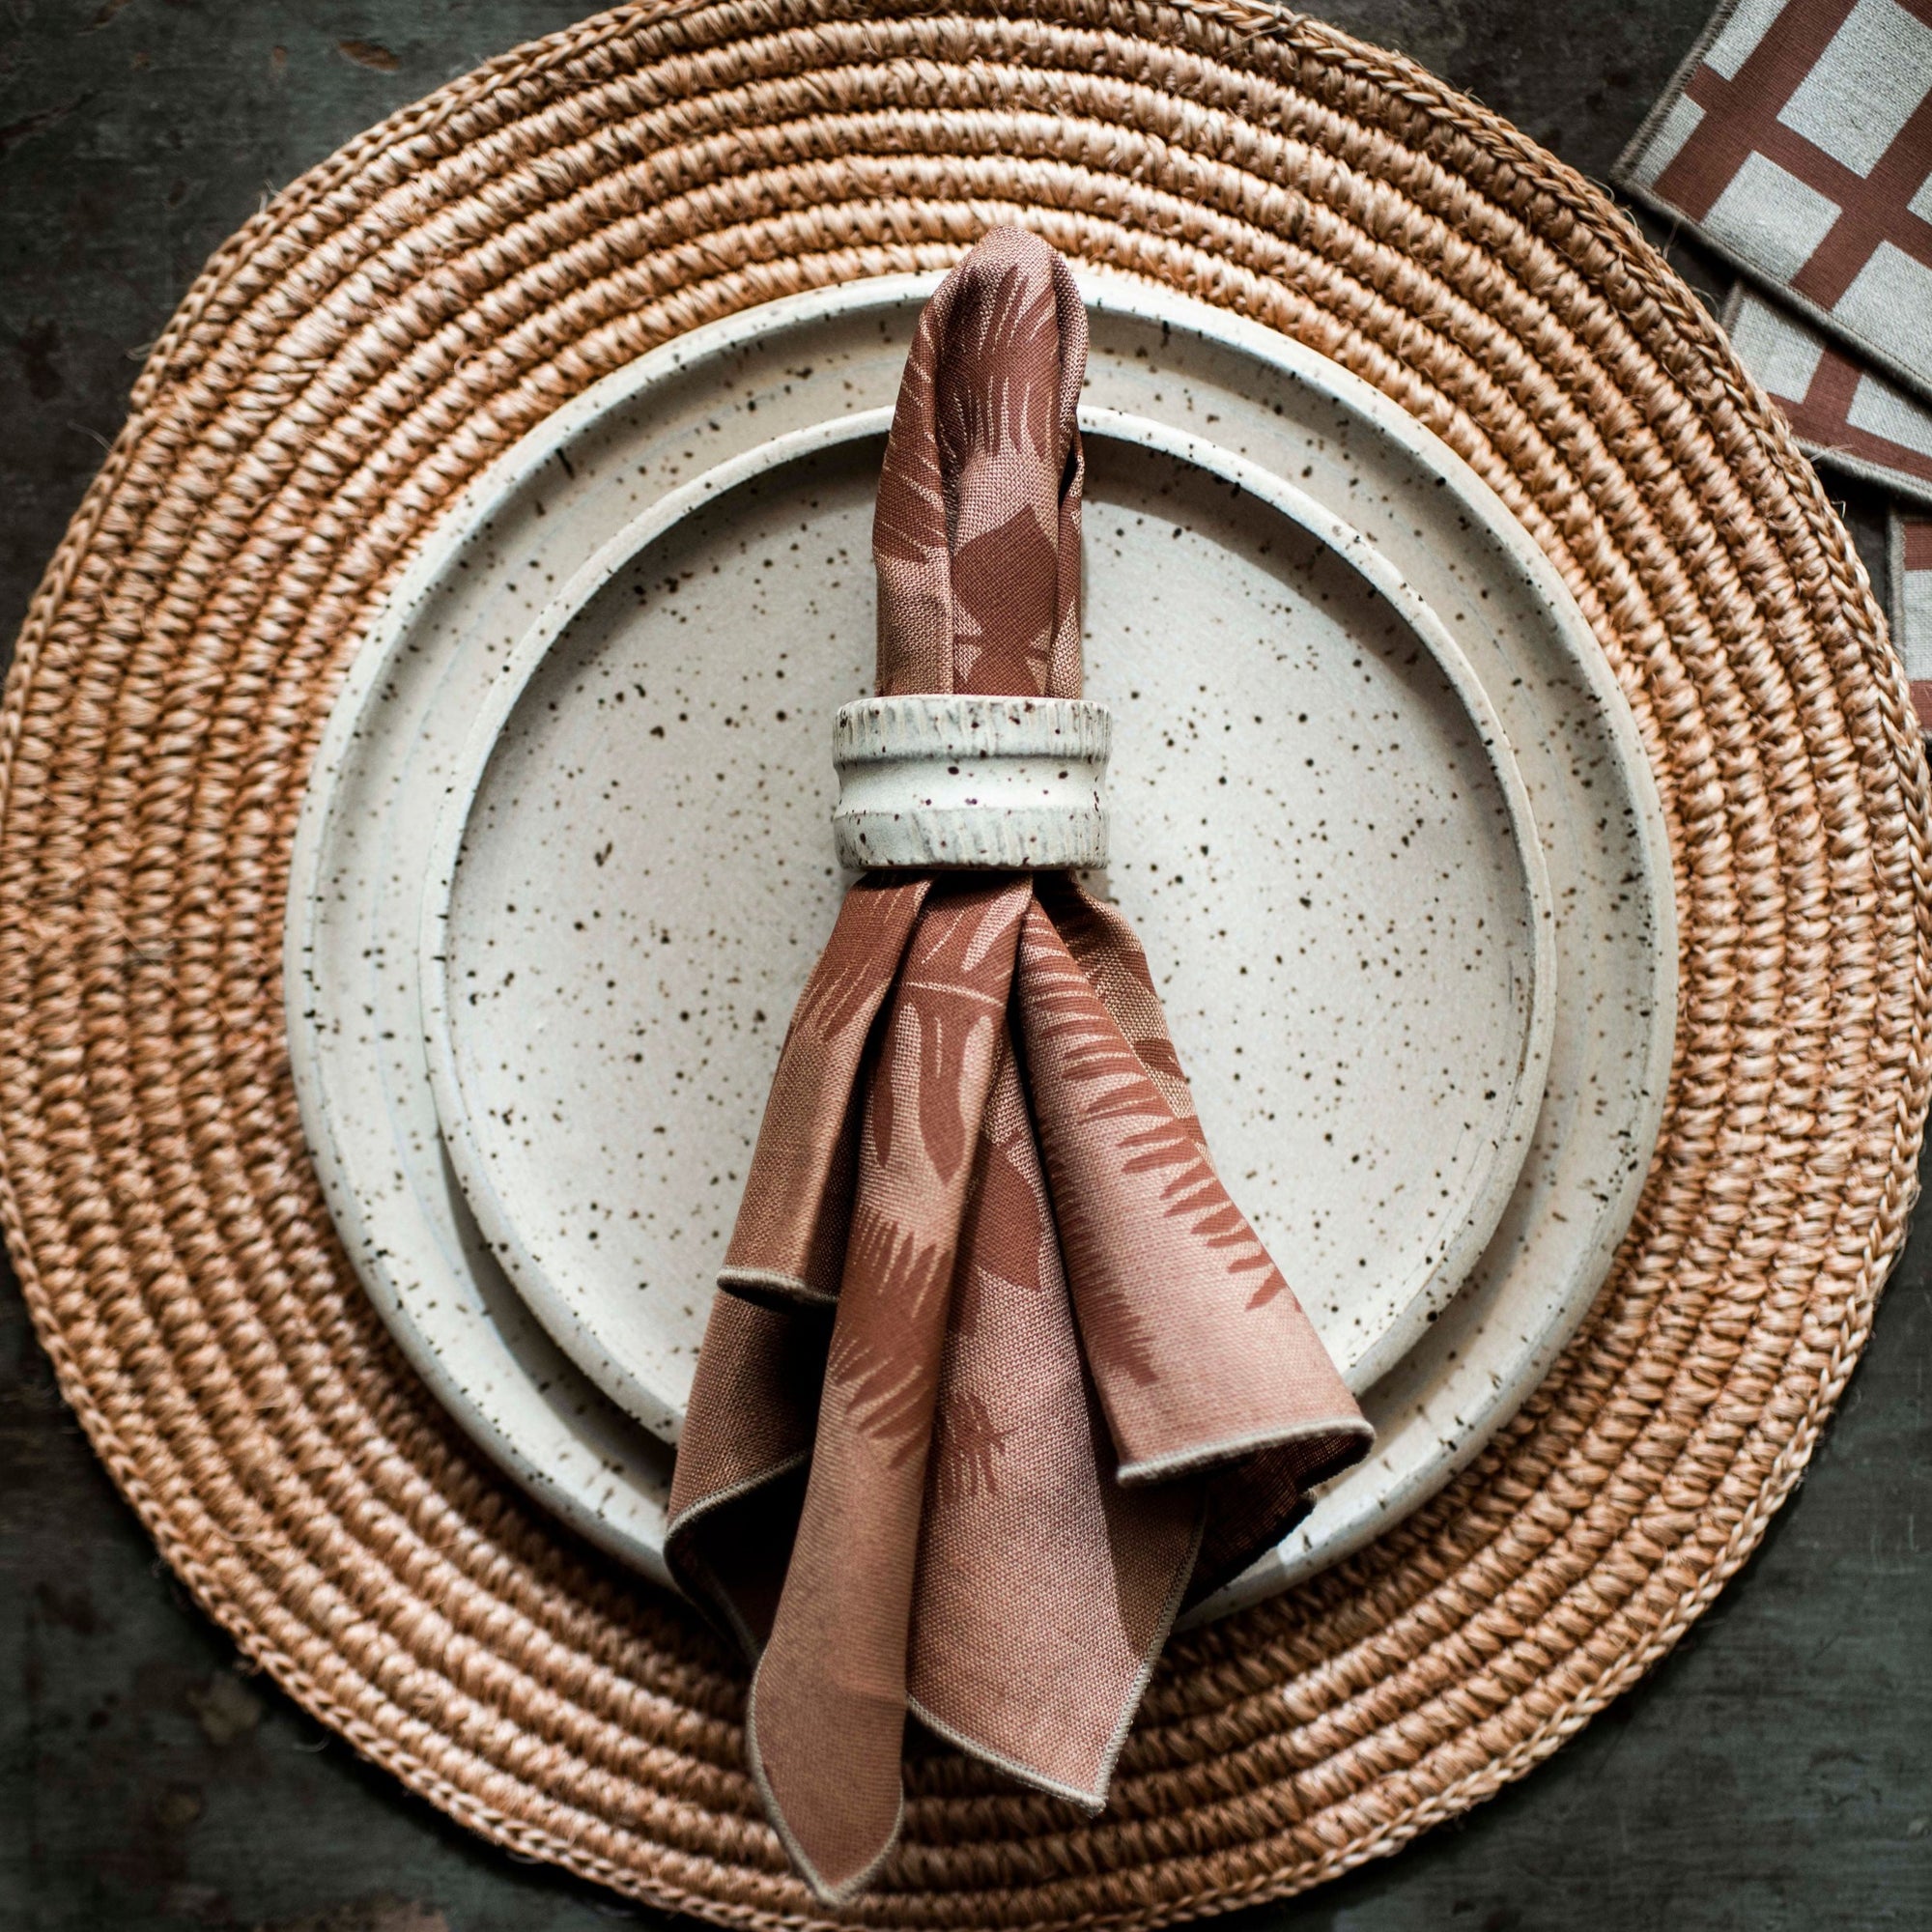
x=998 y=1375
x=1909 y=548
x=1846 y=416
x=1797 y=141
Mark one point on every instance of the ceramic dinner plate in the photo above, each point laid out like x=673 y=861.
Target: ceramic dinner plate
x=524 y=531
x=1309 y=789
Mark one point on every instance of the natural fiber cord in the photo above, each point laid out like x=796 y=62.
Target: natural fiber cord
x=380 y=332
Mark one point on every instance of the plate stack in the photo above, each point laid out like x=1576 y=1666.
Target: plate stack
x=1380 y=812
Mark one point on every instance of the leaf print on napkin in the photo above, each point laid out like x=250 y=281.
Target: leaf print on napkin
x=791 y=1234
x=1121 y=1086
x=885 y=1384
x=847 y=986
x=966 y=1448
x=1105 y=947
x=951 y=1002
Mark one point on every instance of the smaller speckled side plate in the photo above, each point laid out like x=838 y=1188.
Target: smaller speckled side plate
x=525 y=530
x=635 y=842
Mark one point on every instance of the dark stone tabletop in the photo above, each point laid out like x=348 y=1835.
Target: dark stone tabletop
x=1774 y=1772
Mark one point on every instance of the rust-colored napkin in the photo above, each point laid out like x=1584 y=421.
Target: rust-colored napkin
x=998 y=1375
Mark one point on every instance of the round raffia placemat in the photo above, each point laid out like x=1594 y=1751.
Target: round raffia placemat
x=389 y=325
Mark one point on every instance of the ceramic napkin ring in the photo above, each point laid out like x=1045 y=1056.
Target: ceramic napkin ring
x=997 y=783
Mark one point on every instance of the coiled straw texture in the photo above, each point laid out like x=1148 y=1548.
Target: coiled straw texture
x=394 y=321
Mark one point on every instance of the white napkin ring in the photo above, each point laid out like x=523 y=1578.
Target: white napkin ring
x=999 y=784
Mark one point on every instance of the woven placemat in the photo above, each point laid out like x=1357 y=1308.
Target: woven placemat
x=394 y=321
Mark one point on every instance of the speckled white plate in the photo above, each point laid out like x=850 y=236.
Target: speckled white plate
x=1304 y=766
x=546 y=510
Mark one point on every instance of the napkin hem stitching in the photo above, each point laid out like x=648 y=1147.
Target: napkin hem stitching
x=831 y=1894
x=1161 y=1468
x=1095 y=1801
x=776 y=1281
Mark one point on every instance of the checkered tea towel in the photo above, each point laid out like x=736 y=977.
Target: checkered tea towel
x=1797 y=141
x=1847 y=417
x=1911 y=600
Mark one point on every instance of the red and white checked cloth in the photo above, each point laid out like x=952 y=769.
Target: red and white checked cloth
x=1797 y=141
x=1851 y=419
x=1847 y=417
x=1911 y=601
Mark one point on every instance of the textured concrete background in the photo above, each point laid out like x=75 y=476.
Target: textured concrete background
x=1775 y=1773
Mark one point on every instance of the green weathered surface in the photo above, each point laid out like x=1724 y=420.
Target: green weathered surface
x=1775 y=1773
